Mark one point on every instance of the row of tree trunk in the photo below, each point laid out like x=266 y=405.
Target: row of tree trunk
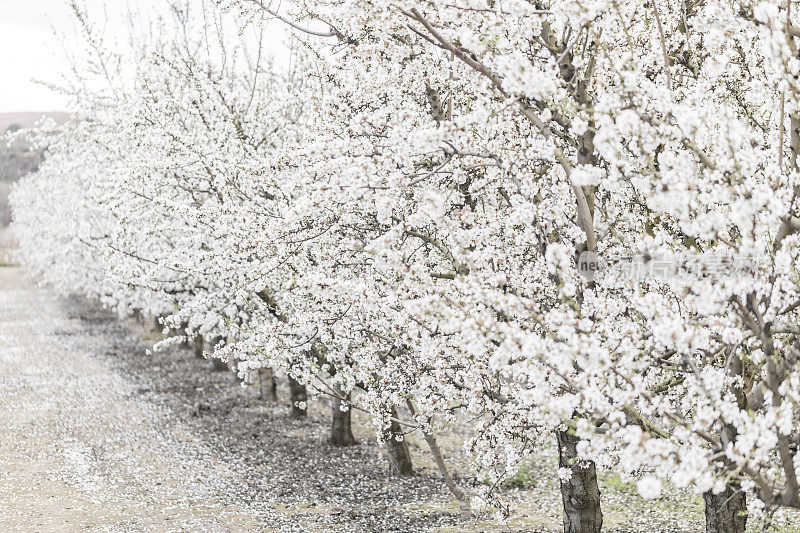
x=580 y=494
x=399 y=456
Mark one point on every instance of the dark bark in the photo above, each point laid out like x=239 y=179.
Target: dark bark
x=726 y=511
x=580 y=494
x=198 y=347
x=268 y=384
x=219 y=364
x=187 y=343
x=399 y=456
x=342 y=427
x=298 y=394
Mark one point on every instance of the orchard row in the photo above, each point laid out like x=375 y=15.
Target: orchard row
x=400 y=216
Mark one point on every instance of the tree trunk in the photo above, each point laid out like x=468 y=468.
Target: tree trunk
x=269 y=387
x=342 y=429
x=198 y=347
x=726 y=511
x=464 y=498
x=580 y=494
x=298 y=394
x=187 y=343
x=399 y=456
x=219 y=364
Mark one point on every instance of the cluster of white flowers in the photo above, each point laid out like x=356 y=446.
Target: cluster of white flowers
x=401 y=213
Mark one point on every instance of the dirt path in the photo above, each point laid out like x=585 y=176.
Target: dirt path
x=77 y=452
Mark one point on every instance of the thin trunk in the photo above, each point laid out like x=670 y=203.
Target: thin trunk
x=342 y=428
x=198 y=347
x=580 y=494
x=298 y=394
x=219 y=364
x=186 y=343
x=462 y=496
x=399 y=456
x=268 y=384
x=726 y=512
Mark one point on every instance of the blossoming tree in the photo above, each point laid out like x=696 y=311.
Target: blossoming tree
x=570 y=218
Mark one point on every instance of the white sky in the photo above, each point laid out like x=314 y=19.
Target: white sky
x=30 y=49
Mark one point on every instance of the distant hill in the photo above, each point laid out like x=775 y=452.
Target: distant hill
x=29 y=119
x=18 y=159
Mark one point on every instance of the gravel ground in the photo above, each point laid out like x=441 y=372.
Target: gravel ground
x=79 y=450
x=97 y=435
